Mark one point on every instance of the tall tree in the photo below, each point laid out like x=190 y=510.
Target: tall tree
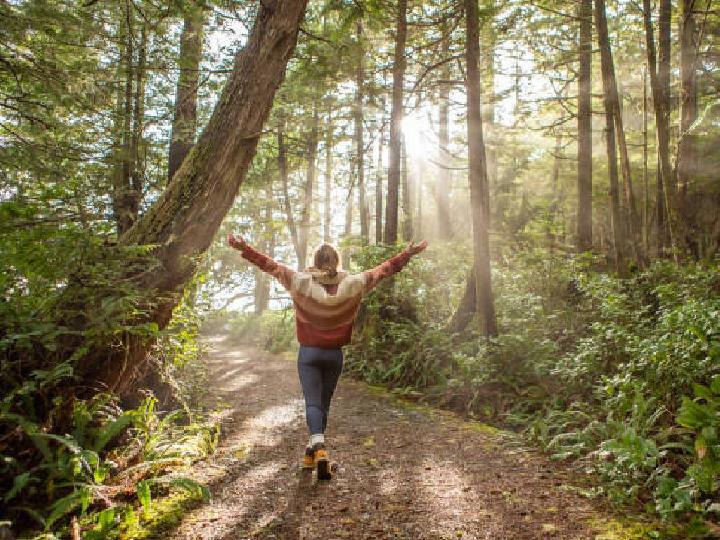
x=442 y=188
x=610 y=102
x=309 y=189
x=584 y=123
x=185 y=118
x=379 y=185
x=283 y=169
x=686 y=162
x=391 y=205
x=359 y=139
x=329 y=143
x=477 y=176
x=659 y=69
x=184 y=220
x=629 y=220
x=406 y=189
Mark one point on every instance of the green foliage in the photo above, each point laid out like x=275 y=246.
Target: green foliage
x=591 y=367
x=76 y=467
x=273 y=330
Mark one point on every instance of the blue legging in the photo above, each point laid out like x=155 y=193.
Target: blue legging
x=319 y=371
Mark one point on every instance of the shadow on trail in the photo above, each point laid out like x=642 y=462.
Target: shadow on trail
x=403 y=474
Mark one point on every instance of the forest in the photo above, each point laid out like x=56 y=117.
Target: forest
x=561 y=160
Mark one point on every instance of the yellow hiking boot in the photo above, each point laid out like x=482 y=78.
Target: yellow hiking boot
x=322 y=461
x=309 y=458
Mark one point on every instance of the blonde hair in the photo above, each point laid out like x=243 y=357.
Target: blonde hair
x=327 y=259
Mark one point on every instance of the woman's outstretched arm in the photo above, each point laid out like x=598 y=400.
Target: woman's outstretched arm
x=282 y=273
x=392 y=265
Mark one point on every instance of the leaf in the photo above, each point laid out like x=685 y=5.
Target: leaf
x=111 y=430
x=143 y=492
x=67 y=504
x=19 y=484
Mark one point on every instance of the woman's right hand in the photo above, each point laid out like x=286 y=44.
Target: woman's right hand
x=236 y=242
x=414 y=249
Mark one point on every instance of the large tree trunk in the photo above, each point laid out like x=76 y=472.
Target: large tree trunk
x=442 y=188
x=391 y=209
x=686 y=162
x=185 y=120
x=184 y=220
x=610 y=101
x=477 y=176
x=659 y=69
x=584 y=119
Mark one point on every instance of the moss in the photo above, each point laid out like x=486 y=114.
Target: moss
x=470 y=425
x=165 y=514
x=629 y=529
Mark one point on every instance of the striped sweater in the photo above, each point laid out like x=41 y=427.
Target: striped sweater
x=324 y=314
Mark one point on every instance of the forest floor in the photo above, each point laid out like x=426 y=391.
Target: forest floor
x=405 y=472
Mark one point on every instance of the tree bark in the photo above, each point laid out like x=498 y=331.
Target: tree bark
x=406 y=181
x=584 y=119
x=138 y=164
x=349 y=213
x=184 y=220
x=391 y=209
x=282 y=167
x=309 y=190
x=360 y=140
x=612 y=104
x=262 y=280
x=610 y=101
x=328 y=178
x=464 y=313
x=122 y=188
x=659 y=69
x=185 y=119
x=379 y=187
x=686 y=162
x=477 y=176
x=442 y=189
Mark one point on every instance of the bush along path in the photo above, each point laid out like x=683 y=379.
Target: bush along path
x=405 y=472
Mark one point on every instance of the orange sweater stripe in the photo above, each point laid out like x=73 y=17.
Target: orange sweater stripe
x=323 y=319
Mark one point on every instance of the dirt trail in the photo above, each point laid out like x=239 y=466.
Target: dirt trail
x=404 y=473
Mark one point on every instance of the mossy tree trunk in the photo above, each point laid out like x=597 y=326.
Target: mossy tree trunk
x=184 y=220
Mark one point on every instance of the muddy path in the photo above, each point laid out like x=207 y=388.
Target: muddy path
x=403 y=473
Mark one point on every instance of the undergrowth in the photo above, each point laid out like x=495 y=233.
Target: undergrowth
x=619 y=376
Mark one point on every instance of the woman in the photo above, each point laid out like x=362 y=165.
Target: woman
x=326 y=301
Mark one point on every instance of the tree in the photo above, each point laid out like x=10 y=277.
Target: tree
x=185 y=118
x=442 y=189
x=584 y=123
x=309 y=188
x=477 y=176
x=659 y=70
x=183 y=222
x=610 y=101
x=686 y=162
x=393 y=192
x=359 y=139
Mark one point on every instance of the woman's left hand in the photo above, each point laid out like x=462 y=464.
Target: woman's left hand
x=414 y=249
x=236 y=242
